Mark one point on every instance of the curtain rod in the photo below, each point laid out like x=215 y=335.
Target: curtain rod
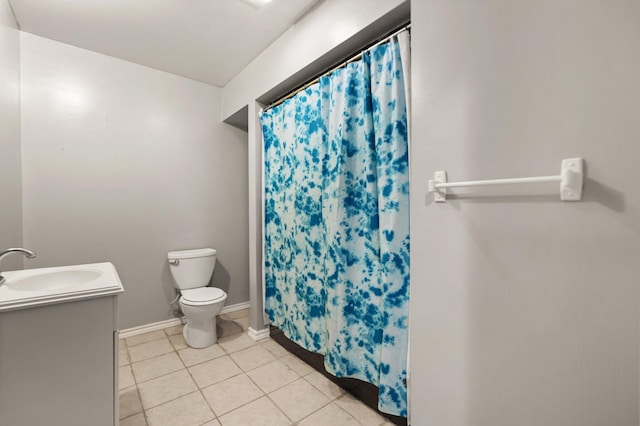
x=354 y=58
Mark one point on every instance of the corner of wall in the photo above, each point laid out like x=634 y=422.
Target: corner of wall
x=10 y=135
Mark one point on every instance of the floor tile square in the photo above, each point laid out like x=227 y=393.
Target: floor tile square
x=252 y=357
x=298 y=399
x=123 y=357
x=261 y=412
x=150 y=349
x=243 y=322
x=297 y=365
x=125 y=378
x=241 y=313
x=136 y=420
x=172 y=331
x=231 y=394
x=192 y=356
x=156 y=367
x=227 y=327
x=177 y=340
x=129 y=402
x=324 y=385
x=272 y=376
x=188 y=410
x=163 y=389
x=329 y=415
x=275 y=348
x=168 y=391
x=214 y=371
x=359 y=410
x=236 y=342
x=144 y=338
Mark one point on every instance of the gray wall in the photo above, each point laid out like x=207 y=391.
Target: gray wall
x=525 y=308
x=10 y=163
x=123 y=163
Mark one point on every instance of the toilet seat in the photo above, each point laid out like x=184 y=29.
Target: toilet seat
x=202 y=296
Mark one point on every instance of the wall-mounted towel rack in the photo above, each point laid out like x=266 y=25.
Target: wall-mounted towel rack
x=570 y=178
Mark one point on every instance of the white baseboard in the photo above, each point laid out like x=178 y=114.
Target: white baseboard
x=259 y=334
x=160 y=325
x=147 y=328
x=236 y=307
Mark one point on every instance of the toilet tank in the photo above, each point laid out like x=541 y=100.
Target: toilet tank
x=192 y=268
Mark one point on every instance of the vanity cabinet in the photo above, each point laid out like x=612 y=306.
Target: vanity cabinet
x=59 y=364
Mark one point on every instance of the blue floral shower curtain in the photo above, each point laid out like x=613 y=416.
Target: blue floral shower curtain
x=336 y=249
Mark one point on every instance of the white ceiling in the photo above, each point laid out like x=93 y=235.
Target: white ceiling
x=206 y=40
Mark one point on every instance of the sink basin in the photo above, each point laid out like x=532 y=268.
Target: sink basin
x=42 y=286
x=54 y=280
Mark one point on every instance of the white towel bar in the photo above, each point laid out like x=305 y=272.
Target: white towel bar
x=570 y=178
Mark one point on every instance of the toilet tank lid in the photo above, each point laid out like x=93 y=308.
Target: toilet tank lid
x=190 y=254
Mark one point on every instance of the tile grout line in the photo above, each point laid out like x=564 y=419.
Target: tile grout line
x=329 y=403
x=177 y=353
x=344 y=392
x=267 y=394
x=144 y=412
x=135 y=381
x=320 y=408
x=215 y=416
x=171 y=400
x=280 y=409
x=304 y=377
x=199 y=389
x=243 y=371
x=264 y=394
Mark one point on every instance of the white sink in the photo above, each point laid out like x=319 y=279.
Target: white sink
x=54 y=280
x=32 y=287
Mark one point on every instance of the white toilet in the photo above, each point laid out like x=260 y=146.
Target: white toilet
x=192 y=270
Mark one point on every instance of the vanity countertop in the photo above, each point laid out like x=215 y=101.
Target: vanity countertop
x=42 y=286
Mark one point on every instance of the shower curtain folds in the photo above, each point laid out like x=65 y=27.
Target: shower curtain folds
x=336 y=199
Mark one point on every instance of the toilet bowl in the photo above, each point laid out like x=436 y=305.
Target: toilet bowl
x=191 y=271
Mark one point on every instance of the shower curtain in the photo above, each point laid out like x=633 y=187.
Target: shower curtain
x=336 y=236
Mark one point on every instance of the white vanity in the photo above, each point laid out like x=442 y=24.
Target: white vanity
x=59 y=346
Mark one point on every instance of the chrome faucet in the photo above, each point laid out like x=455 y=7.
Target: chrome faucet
x=27 y=253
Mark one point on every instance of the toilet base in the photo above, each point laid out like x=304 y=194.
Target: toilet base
x=200 y=334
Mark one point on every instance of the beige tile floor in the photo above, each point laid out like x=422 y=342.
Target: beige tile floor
x=235 y=382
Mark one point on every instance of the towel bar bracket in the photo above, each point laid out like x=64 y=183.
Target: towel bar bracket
x=571 y=179
x=439 y=194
